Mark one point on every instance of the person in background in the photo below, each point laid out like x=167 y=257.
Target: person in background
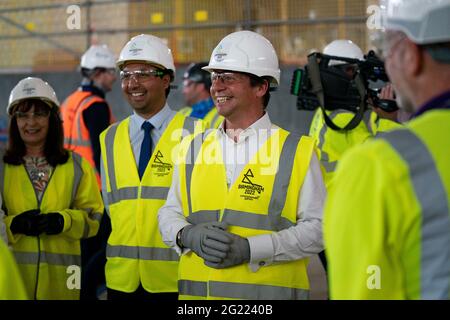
x=85 y=115
x=196 y=87
x=387 y=217
x=50 y=195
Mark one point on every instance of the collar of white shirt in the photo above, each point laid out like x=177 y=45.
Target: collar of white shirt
x=157 y=120
x=262 y=125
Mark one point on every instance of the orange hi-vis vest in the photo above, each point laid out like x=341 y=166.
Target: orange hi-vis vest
x=76 y=134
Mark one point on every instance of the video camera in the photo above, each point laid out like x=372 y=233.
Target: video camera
x=337 y=86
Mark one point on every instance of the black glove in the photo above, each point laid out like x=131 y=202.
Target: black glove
x=238 y=253
x=26 y=223
x=195 y=236
x=51 y=223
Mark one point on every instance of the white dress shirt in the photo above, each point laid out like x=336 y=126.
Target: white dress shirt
x=297 y=242
x=160 y=121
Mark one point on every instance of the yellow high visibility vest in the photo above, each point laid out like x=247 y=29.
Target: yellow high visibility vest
x=50 y=265
x=333 y=144
x=387 y=217
x=11 y=283
x=212 y=119
x=262 y=200
x=135 y=251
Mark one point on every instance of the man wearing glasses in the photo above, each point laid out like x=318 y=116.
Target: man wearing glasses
x=137 y=166
x=244 y=209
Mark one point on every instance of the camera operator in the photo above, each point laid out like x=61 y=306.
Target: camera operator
x=333 y=143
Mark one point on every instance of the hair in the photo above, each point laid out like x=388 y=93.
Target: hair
x=54 y=151
x=440 y=52
x=171 y=75
x=257 y=81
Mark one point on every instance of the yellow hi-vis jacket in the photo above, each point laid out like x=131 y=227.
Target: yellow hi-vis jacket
x=387 y=217
x=135 y=251
x=263 y=200
x=212 y=119
x=333 y=144
x=11 y=283
x=50 y=265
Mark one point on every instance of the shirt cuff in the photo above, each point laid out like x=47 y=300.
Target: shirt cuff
x=177 y=228
x=261 y=251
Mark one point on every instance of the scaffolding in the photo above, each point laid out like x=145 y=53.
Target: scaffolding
x=41 y=36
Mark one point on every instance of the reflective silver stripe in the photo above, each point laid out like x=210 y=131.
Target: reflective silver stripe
x=255 y=221
x=109 y=144
x=93 y=216
x=189 y=125
x=77 y=174
x=77 y=143
x=283 y=177
x=215 y=118
x=330 y=166
x=191 y=156
x=366 y=120
x=203 y=216
x=126 y=193
x=158 y=193
x=435 y=228
x=96 y=216
x=142 y=253
x=192 y=288
x=255 y=291
x=86 y=224
x=324 y=158
x=163 y=254
x=47 y=257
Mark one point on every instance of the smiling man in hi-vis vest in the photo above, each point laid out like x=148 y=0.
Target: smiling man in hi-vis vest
x=137 y=167
x=245 y=206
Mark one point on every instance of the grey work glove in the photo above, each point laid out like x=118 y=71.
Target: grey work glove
x=238 y=253
x=195 y=236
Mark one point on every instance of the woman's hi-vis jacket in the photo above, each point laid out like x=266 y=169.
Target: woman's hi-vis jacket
x=50 y=265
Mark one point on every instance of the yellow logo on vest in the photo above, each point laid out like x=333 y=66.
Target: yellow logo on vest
x=251 y=190
x=162 y=168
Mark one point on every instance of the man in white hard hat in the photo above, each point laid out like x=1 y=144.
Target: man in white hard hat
x=85 y=112
x=137 y=167
x=333 y=144
x=244 y=209
x=197 y=96
x=387 y=217
x=85 y=115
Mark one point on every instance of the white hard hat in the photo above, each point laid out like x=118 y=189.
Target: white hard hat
x=32 y=88
x=422 y=21
x=98 y=56
x=343 y=48
x=246 y=51
x=147 y=48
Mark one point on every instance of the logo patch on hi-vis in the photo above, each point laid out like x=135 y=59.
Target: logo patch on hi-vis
x=160 y=167
x=252 y=191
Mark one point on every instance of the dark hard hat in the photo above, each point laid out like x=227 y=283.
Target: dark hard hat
x=195 y=73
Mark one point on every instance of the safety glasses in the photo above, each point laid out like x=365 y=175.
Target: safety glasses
x=227 y=78
x=140 y=75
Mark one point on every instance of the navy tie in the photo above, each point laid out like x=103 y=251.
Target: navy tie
x=146 y=148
